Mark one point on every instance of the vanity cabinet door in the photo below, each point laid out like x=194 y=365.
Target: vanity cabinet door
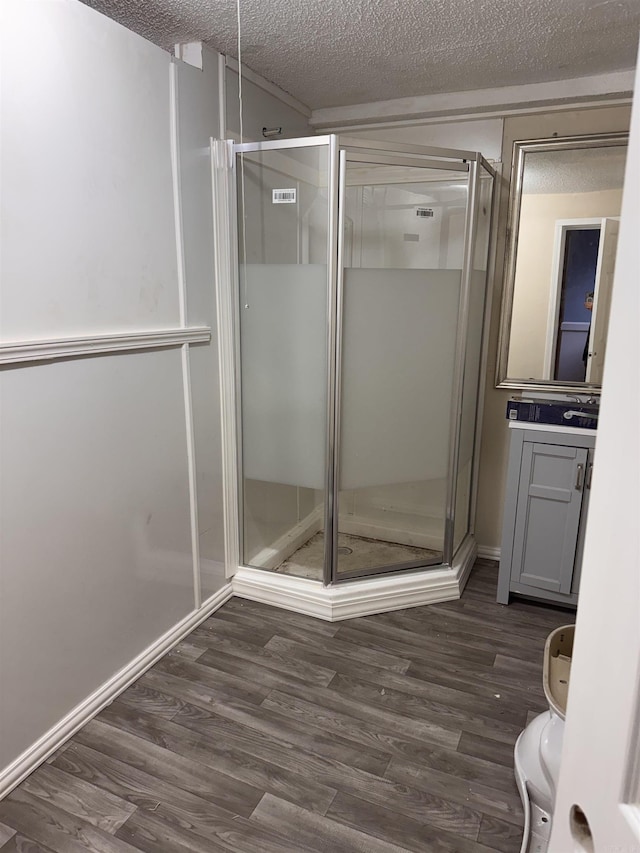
x=550 y=492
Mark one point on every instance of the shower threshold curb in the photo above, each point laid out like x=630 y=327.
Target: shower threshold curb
x=363 y=597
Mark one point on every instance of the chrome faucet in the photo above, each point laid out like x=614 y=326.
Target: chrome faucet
x=571 y=414
x=590 y=401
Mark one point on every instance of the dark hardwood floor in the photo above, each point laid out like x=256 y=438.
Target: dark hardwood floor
x=268 y=732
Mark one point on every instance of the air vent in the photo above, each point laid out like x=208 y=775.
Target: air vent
x=425 y=212
x=283 y=196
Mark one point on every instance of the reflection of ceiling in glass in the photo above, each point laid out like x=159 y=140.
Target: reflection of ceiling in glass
x=575 y=171
x=412 y=196
x=372 y=174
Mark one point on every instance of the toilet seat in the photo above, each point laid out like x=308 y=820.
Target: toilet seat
x=538 y=749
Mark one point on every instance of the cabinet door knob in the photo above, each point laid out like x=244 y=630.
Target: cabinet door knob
x=579 y=476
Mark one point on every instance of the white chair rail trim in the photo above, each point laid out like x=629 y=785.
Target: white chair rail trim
x=14 y=352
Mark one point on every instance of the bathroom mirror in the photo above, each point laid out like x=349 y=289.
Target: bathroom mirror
x=564 y=211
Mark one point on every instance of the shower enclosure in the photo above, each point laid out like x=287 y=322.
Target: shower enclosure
x=361 y=294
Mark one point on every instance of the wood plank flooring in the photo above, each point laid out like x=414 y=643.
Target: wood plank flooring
x=270 y=732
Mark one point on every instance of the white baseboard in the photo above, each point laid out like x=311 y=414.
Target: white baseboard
x=44 y=747
x=394 y=592
x=362 y=597
x=298 y=594
x=464 y=560
x=489 y=552
x=274 y=555
x=346 y=600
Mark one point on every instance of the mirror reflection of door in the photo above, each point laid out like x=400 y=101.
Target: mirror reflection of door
x=581 y=290
x=602 y=299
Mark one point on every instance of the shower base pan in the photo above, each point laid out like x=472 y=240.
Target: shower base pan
x=355 y=553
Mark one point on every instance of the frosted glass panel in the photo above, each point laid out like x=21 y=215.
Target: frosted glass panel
x=404 y=239
x=283 y=227
x=284 y=374
x=398 y=355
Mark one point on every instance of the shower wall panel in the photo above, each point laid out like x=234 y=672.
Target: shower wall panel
x=95 y=529
x=406 y=513
x=56 y=126
x=198 y=116
x=272 y=512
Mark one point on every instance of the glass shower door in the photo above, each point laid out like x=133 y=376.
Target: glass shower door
x=403 y=236
x=359 y=354
x=286 y=265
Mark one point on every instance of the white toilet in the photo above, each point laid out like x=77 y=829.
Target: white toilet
x=538 y=749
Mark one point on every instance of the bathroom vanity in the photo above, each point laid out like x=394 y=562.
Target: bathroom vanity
x=546 y=504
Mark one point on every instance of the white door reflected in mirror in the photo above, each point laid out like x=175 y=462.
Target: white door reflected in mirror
x=602 y=299
x=582 y=276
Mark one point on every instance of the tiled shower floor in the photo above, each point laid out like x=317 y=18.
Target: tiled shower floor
x=307 y=561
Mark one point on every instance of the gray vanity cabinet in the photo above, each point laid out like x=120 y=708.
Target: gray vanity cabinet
x=546 y=502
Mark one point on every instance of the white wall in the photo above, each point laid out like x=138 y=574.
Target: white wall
x=260 y=109
x=88 y=232
x=198 y=111
x=106 y=229
x=95 y=529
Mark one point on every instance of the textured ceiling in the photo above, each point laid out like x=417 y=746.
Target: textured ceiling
x=336 y=52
